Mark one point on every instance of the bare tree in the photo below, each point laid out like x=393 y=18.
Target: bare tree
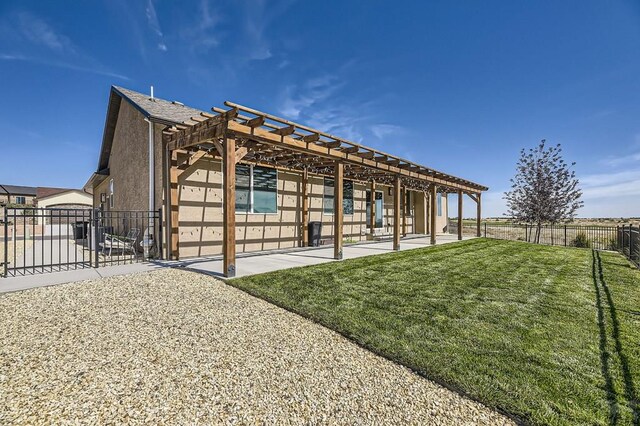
x=544 y=189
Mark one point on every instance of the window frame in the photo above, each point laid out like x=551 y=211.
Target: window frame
x=324 y=195
x=23 y=198
x=251 y=190
x=111 y=192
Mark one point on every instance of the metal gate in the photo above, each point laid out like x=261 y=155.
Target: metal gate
x=38 y=241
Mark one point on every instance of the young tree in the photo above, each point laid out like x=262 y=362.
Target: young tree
x=544 y=189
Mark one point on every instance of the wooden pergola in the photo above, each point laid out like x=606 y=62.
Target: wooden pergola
x=238 y=133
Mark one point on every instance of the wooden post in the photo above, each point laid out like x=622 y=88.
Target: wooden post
x=460 y=195
x=478 y=214
x=173 y=206
x=396 y=214
x=337 y=211
x=404 y=211
x=433 y=204
x=427 y=216
x=305 y=208
x=229 y=208
x=372 y=210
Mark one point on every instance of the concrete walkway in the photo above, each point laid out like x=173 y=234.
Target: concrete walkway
x=246 y=263
x=251 y=264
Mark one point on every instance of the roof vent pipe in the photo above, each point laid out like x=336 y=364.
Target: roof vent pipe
x=152 y=93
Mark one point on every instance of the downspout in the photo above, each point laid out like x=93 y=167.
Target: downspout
x=148 y=238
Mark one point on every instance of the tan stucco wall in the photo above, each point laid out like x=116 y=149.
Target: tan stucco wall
x=71 y=198
x=200 y=213
x=128 y=163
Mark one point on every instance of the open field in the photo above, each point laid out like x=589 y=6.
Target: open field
x=176 y=347
x=605 y=221
x=548 y=334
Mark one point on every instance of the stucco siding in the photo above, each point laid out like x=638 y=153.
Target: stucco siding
x=200 y=213
x=129 y=161
x=70 y=199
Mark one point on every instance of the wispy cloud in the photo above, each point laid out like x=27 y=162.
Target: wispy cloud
x=41 y=33
x=302 y=98
x=384 y=130
x=154 y=25
x=49 y=46
x=62 y=64
x=614 y=161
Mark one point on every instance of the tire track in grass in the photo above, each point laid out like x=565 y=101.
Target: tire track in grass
x=629 y=388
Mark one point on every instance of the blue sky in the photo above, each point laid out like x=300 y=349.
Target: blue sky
x=460 y=86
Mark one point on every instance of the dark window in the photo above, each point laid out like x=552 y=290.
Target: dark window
x=21 y=200
x=329 y=196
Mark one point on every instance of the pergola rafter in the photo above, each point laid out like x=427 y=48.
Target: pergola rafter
x=263 y=139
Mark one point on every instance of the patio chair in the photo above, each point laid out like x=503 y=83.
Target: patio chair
x=125 y=244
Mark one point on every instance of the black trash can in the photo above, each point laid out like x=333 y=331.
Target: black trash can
x=315 y=233
x=80 y=230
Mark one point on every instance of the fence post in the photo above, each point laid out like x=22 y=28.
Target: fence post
x=160 y=216
x=6 y=243
x=485 y=229
x=565 y=234
x=96 y=238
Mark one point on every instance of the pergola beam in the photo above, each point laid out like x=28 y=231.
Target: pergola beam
x=396 y=213
x=433 y=202
x=305 y=208
x=460 y=196
x=338 y=210
x=229 y=209
x=226 y=125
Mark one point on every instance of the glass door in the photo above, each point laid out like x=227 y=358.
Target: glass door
x=379 y=208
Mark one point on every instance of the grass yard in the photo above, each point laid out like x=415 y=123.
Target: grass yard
x=548 y=334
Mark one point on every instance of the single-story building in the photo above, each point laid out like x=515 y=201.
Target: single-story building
x=45 y=197
x=240 y=180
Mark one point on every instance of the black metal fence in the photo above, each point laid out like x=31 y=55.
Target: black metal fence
x=37 y=241
x=629 y=242
x=625 y=239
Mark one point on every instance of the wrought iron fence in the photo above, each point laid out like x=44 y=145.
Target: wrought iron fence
x=43 y=240
x=629 y=243
x=625 y=239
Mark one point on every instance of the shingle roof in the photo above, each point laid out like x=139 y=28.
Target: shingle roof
x=43 y=191
x=157 y=108
x=17 y=190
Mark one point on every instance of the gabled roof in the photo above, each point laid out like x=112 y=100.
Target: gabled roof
x=17 y=190
x=157 y=110
x=43 y=191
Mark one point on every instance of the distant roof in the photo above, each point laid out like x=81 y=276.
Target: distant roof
x=43 y=192
x=156 y=109
x=17 y=190
x=39 y=192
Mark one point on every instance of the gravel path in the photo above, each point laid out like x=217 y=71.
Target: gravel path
x=177 y=347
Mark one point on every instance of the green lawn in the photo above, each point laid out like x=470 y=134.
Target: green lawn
x=536 y=331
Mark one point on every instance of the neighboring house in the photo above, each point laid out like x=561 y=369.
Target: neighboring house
x=268 y=199
x=14 y=194
x=45 y=197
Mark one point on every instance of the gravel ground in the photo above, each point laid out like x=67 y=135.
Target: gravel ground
x=177 y=347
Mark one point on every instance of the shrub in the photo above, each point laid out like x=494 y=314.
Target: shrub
x=581 y=240
x=611 y=244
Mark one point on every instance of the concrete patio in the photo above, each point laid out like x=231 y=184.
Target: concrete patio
x=247 y=263
x=258 y=263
